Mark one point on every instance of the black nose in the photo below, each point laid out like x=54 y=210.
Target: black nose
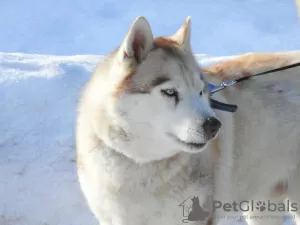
x=211 y=127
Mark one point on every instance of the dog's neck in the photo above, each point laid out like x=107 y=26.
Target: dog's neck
x=125 y=173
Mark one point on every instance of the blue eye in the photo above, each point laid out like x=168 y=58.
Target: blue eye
x=170 y=92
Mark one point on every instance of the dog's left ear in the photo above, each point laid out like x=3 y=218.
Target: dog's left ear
x=138 y=42
x=183 y=35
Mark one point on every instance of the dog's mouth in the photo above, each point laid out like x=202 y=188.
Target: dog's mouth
x=191 y=145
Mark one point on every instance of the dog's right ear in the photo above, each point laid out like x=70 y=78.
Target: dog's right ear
x=183 y=35
x=138 y=42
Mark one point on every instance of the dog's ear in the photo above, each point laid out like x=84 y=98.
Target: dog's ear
x=138 y=42
x=183 y=35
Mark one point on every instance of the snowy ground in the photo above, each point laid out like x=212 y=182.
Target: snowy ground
x=38 y=183
x=37 y=175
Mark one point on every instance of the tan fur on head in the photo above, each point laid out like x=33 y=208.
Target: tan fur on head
x=166 y=42
x=126 y=83
x=180 y=40
x=176 y=42
x=123 y=85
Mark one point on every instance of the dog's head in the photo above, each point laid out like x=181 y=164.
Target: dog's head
x=159 y=100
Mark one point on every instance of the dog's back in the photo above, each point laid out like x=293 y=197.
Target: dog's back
x=264 y=144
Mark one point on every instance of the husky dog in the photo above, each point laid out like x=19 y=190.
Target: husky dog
x=147 y=137
x=144 y=121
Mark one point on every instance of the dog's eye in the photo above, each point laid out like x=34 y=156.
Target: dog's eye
x=201 y=93
x=170 y=92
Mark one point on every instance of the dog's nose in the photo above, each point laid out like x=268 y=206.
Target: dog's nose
x=211 y=127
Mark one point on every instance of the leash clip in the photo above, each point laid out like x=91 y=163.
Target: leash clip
x=214 y=89
x=220 y=105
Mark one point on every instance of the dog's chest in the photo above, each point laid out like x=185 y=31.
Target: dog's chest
x=172 y=207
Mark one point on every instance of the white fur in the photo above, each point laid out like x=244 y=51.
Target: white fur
x=132 y=171
x=260 y=142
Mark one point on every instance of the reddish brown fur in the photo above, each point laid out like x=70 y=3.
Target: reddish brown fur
x=209 y=221
x=166 y=42
x=280 y=189
x=246 y=65
x=125 y=84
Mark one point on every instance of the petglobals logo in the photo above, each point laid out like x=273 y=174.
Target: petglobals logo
x=250 y=206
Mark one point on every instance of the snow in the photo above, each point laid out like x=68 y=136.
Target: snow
x=37 y=174
x=38 y=181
